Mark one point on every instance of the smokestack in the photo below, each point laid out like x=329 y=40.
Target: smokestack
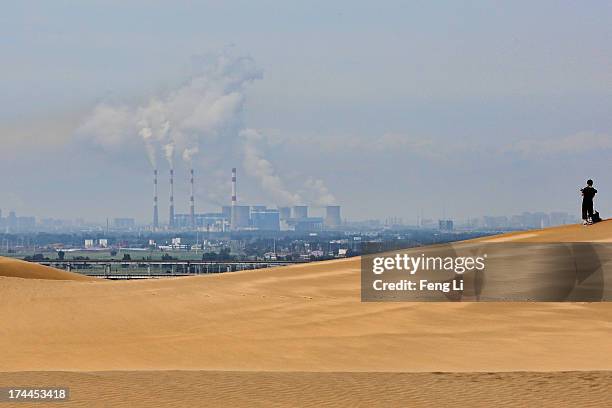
x=233 y=207
x=171 y=212
x=155 y=214
x=192 y=202
x=234 y=186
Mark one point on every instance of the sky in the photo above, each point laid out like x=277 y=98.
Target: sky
x=390 y=108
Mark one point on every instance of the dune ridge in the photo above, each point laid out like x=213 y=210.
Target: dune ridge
x=16 y=268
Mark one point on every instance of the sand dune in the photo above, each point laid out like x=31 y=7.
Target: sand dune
x=303 y=318
x=14 y=268
x=600 y=232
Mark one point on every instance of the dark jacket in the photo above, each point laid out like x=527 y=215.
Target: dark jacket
x=588 y=193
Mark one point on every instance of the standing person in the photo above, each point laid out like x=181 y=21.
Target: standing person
x=588 y=193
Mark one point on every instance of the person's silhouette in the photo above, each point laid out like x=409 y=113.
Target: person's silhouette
x=588 y=193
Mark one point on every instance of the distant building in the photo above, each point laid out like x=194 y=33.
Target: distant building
x=26 y=223
x=495 y=223
x=300 y=211
x=103 y=243
x=307 y=224
x=284 y=213
x=124 y=223
x=11 y=221
x=265 y=219
x=241 y=217
x=226 y=210
x=216 y=222
x=445 y=225
x=89 y=243
x=427 y=223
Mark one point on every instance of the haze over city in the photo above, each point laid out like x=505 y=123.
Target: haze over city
x=447 y=111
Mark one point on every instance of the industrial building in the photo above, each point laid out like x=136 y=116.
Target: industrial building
x=124 y=223
x=332 y=216
x=265 y=219
x=300 y=211
x=236 y=217
x=216 y=222
x=307 y=224
x=241 y=217
x=445 y=225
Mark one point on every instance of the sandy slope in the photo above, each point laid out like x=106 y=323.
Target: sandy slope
x=600 y=232
x=299 y=318
x=14 y=268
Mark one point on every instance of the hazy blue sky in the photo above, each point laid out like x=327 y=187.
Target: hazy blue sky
x=387 y=108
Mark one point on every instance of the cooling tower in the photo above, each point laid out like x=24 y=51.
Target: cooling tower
x=300 y=211
x=332 y=216
x=155 y=212
x=284 y=213
x=171 y=207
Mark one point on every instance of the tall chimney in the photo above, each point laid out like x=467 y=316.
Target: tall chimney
x=155 y=214
x=233 y=208
x=234 y=186
x=192 y=202
x=171 y=211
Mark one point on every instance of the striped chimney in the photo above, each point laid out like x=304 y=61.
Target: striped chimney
x=155 y=213
x=192 y=201
x=171 y=211
x=234 y=186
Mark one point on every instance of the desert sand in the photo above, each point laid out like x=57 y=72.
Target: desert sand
x=297 y=336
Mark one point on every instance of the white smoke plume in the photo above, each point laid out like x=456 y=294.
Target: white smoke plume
x=168 y=146
x=147 y=134
x=256 y=165
x=188 y=154
x=318 y=193
x=205 y=108
x=202 y=115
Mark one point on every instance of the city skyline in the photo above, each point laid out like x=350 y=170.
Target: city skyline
x=450 y=112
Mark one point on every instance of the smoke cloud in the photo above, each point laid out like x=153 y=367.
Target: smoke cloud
x=202 y=115
x=203 y=109
x=318 y=193
x=257 y=166
x=314 y=191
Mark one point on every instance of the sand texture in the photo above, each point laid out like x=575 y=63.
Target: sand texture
x=297 y=336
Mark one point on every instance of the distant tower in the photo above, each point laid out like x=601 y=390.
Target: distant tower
x=192 y=202
x=155 y=213
x=171 y=211
x=233 y=214
x=234 y=186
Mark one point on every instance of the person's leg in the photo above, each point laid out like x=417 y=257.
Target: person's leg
x=584 y=210
x=590 y=210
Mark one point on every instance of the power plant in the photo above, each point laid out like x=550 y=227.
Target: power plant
x=235 y=217
x=171 y=207
x=155 y=211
